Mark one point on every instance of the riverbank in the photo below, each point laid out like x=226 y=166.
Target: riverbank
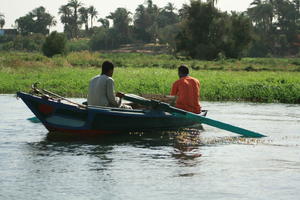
x=256 y=80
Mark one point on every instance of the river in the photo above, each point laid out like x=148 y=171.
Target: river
x=211 y=164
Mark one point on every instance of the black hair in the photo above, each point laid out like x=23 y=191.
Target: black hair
x=107 y=66
x=183 y=70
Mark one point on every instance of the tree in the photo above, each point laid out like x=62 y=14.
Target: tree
x=2 y=20
x=104 y=39
x=121 y=19
x=43 y=20
x=146 y=22
x=104 y=22
x=55 y=44
x=276 y=23
x=36 y=21
x=84 y=17
x=213 y=2
x=75 y=22
x=262 y=14
x=286 y=25
x=206 y=33
x=167 y=16
x=93 y=13
x=70 y=18
x=65 y=18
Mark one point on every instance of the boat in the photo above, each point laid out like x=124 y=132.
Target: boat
x=66 y=116
x=72 y=117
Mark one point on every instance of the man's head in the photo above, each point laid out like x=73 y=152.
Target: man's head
x=107 y=68
x=183 y=71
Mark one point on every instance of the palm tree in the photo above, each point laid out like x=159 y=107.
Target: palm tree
x=261 y=13
x=84 y=17
x=2 y=20
x=104 y=22
x=75 y=23
x=121 y=20
x=213 y=2
x=93 y=13
x=66 y=16
x=170 y=7
x=75 y=4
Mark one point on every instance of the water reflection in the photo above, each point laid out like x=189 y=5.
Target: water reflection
x=185 y=145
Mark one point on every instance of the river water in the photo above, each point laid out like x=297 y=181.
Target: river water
x=211 y=164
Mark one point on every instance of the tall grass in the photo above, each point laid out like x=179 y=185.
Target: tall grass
x=69 y=76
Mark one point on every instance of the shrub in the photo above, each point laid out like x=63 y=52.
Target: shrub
x=31 y=42
x=78 y=45
x=55 y=44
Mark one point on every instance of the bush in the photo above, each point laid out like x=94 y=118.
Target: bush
x=104 y=39
x=78 y=45
x=55 y=44
x=31 y=43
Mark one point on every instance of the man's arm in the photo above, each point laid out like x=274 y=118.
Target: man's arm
x=173 y=93
x=111 y=94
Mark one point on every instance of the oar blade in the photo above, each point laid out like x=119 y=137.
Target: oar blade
x=34 y=120
x=224 y=126
x=197 y=118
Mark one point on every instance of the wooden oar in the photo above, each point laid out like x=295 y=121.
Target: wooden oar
x=197 y=118
x=63 y=98
x=34 y=120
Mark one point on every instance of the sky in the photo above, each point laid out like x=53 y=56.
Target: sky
x=13 y=9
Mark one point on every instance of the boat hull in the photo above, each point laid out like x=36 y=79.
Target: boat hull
x=61 y=117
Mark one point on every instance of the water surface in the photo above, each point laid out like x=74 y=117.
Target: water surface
x=211 y=164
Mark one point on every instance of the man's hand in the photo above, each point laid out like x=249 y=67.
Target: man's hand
x=120 y=94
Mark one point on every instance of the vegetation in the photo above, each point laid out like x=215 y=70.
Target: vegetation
x=36 y=21
x=30 y=43
x=276 y=26
x=207 y=33
x=197 y=30
x=55 y=44
x=269 y=80
x=2 y=21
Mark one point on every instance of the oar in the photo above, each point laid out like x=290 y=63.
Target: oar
x=34 y=120
x=194 y=117
x=63 y=98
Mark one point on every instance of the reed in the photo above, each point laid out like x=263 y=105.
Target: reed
x=150 y=74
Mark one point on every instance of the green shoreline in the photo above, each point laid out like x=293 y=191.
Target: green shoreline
x=269 y=80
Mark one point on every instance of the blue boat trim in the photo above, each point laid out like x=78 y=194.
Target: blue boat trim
x=58 y=116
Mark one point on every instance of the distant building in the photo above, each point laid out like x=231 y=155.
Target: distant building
x=8 y=32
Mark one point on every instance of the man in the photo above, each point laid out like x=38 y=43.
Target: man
x=101 y=88
x=187 y=91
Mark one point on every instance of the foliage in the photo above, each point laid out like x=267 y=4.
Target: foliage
x=104 y=22
x=140 y=73
x=70 y=18
x=121 y=19
x=32 y=42
x=104 y=39
x=36 y=21
x=2 y=20
x=78 y=45
x=150 y=20
x=207 y=32
x=73 y=15
x=55 y=44
x=276 y=26
x=145 y=74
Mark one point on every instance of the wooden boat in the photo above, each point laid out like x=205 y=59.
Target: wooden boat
x=72 y=117
x=78 y=118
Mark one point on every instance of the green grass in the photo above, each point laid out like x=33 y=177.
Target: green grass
x=141 y=74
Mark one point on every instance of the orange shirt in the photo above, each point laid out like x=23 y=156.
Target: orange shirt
x=187 y=90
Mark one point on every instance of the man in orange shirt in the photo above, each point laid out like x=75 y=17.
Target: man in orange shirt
x=187 y=91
